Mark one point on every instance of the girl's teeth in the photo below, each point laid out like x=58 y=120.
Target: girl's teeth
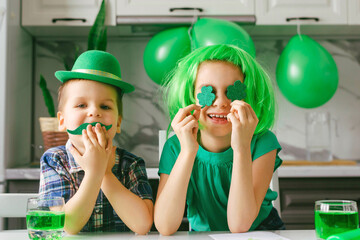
x=217 y=116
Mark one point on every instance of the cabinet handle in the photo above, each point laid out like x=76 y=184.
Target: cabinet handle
x=54 y=20
x=316 y=19
x=186 y=8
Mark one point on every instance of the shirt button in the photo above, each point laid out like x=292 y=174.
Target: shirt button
x=97 y=210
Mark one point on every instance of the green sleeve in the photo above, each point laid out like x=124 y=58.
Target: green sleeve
x=169 y=155
x=266 y=143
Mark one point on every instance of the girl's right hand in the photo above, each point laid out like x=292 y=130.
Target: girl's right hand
x=185 y=126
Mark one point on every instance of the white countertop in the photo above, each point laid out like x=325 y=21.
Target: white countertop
x=283 y=172
x=290 y=234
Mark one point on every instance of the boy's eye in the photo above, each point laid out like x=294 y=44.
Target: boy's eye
x=81 y=105
x=105 y=107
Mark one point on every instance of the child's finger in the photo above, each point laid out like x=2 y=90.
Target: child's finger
x=193 y=123
x=231 y=117
x=91 y=134
x=186 y=120
x=100 y=135
x=196 y=114
x=186 y=111
x=86 y=140
x=241 y=111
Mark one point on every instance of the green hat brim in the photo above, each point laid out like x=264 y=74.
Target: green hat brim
x=64 y=76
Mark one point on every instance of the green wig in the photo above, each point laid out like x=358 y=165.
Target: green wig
x=179 y=87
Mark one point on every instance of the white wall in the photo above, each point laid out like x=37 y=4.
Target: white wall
x=15 y=89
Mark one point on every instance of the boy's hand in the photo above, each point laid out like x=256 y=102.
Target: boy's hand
x=95 y=159
x=185 y=126
x=111 y=160
x=244 y=122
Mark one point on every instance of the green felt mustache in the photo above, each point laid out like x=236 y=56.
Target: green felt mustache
x=78 y=130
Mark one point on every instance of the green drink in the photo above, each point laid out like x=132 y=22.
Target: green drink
x=329 y=223
x=45 y=218
x=332 y=217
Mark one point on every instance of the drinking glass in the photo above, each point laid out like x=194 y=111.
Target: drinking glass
x=45 y=218
x=318 y=136
x=335 y=216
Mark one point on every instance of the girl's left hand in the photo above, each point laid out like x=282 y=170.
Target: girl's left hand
x=244 y=122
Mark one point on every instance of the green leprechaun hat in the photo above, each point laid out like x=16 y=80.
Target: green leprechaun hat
x=98 y=66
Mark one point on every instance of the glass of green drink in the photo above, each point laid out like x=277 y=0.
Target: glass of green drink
x=335 y=216
x=45 y=218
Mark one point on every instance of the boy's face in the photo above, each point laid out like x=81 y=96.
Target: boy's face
x=87 y=101
x=220 y=75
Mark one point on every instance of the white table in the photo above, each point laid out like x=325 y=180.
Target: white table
x=290 y=234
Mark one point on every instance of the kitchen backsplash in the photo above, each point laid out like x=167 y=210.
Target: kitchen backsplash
x=144 y=114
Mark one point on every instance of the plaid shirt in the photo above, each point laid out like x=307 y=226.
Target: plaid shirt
x=61 y=176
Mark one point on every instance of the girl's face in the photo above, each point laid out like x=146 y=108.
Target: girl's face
x=86 y=102
x=219 y=75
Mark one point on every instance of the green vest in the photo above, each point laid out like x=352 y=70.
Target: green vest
x=209 y=185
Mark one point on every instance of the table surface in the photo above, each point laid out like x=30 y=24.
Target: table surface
x=290 y=234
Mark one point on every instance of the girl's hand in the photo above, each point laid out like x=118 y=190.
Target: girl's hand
x=244 y=122
x=185 y=126
x=95 y=159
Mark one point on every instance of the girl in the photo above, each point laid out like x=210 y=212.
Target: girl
x=221 y=160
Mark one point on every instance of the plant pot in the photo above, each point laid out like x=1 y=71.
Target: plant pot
x=52 y=137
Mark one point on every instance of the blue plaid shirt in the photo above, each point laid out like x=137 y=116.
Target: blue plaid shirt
x=61 y=176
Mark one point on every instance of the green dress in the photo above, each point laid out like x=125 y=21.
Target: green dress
x=209 y=185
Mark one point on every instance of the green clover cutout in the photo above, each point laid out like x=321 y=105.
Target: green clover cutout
x=236 y=91
x=206 y=96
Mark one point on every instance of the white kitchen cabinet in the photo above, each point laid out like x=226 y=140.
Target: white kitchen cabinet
x=176 y=8
x=354 y=12
x=65 y=12
x=278 y=12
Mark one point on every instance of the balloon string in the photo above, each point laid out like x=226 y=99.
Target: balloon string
x=298 y=29
x=195 y=18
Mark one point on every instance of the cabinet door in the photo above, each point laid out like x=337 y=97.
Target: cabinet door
x=298 y=196
x=169 y=8
x=276 y=12
x=354 y=12
x=65 y=13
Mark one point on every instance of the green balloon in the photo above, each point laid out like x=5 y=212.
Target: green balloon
x=164 y=50
x=210 y=31
x=306 y=73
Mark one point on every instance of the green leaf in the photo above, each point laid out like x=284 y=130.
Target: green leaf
x=236 y=91
x=103 y=40
x=47 y=96
x=97 y=30
x=206 y=96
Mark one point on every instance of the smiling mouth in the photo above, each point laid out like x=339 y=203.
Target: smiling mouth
x=217 y=117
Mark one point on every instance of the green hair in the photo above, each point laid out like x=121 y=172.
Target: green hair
x=179 y=87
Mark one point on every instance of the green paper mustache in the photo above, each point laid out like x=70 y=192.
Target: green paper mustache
x=83 y=126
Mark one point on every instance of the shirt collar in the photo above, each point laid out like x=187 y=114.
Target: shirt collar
x=74 y=166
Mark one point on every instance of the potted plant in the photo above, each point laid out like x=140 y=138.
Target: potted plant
x=97 y=40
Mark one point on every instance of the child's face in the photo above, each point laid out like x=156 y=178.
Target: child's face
x=219 y=75
x=88 y=101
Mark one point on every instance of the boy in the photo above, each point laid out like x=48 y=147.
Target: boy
x=105 y=188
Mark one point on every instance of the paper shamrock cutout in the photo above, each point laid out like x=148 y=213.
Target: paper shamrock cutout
x=206 y=96
x=78 y=130
x=236 y=91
